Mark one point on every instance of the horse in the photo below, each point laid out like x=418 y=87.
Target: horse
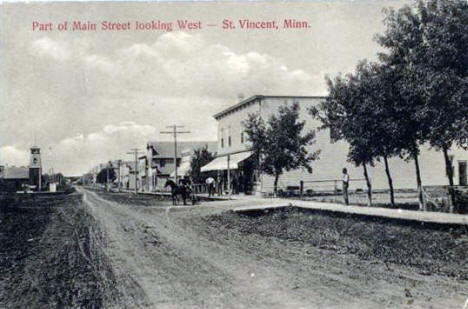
x=183 y=191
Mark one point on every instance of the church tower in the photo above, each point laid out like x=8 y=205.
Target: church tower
x=35 y=168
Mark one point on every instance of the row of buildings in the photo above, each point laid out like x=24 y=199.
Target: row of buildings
x=234 y=163
x=154 y=166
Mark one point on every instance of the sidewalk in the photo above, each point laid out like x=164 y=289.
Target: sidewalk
x=228 y=197
x=256 y=203
x=430 y=217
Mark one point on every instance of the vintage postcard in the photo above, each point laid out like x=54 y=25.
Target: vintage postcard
x=234 y=154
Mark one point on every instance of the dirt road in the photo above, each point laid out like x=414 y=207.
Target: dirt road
x=166 y=259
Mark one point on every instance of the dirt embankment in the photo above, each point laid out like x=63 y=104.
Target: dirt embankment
x=430 y=250
x=51 y=256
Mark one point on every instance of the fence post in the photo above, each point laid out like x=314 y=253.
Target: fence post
x=302 y=189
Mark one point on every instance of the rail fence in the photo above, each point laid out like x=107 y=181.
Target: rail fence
x=326 y=187
x=437 y=198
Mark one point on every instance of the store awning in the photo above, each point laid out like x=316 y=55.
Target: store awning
x=182 y=170
x=221 y=163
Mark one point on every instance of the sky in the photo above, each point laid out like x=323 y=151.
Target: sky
x=86 y=97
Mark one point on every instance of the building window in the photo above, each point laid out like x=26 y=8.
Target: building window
x=222 y=137
x=242 y=137
x=229 y=141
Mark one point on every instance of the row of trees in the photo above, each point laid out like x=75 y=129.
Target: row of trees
x=415 y=94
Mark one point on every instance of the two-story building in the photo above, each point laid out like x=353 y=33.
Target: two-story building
x=234 y=154
x=160 y=160
x=126 y=175
x=235 y=163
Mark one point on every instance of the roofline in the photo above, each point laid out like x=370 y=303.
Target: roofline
x=183 y=141
x=255 y=97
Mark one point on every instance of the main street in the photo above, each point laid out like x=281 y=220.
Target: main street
x=168 y=257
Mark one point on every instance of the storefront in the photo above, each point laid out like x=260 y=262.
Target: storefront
x=233 y=172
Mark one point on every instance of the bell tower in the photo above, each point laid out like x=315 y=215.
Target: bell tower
x=35 y=167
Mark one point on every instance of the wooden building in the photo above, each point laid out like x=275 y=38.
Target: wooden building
x=233 y=153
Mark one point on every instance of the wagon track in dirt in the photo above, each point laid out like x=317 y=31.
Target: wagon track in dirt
x=169 y=254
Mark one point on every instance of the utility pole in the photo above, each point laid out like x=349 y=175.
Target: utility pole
x=175 y=132
x=135 y=152
x=119 y=162
x=229 y=175
x=96 y=173
x=107 y=176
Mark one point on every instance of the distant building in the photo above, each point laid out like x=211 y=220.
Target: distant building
x=159 y=160
x=35 y=168
x=144 y=180
x=127 y=175
x=185 y=163
x=14 y=178
x=233 y=152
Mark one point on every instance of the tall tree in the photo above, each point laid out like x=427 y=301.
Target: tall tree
x=280 y=143
x=347 y=112
x=376 y=117
x=428 y=45
x=200 y=157
x=445 y=65
x=401 y=40
x=106 y=172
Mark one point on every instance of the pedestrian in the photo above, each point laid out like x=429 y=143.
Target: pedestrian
x=187 y=190
x=209 y=184
x=345 y=179
x=241 y=183
x=220 y=186
x=235 y=185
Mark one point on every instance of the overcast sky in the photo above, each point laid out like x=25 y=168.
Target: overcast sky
x=87 y=97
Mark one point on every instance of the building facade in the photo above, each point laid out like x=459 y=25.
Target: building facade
x=35 y=168
x=126 y=175
x=234 y=154
x=14 y=178
x=22 y=178
x=159 y=161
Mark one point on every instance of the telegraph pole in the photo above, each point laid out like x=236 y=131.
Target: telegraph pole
x=107 y=177
x=135 y=152
x=119 y=162
x=175 y=132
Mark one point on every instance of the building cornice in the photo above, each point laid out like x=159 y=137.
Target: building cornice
x=252 y=100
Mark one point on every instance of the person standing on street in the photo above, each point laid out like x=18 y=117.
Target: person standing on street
x=209 y=183
x=235 y=185
x=345 y=179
